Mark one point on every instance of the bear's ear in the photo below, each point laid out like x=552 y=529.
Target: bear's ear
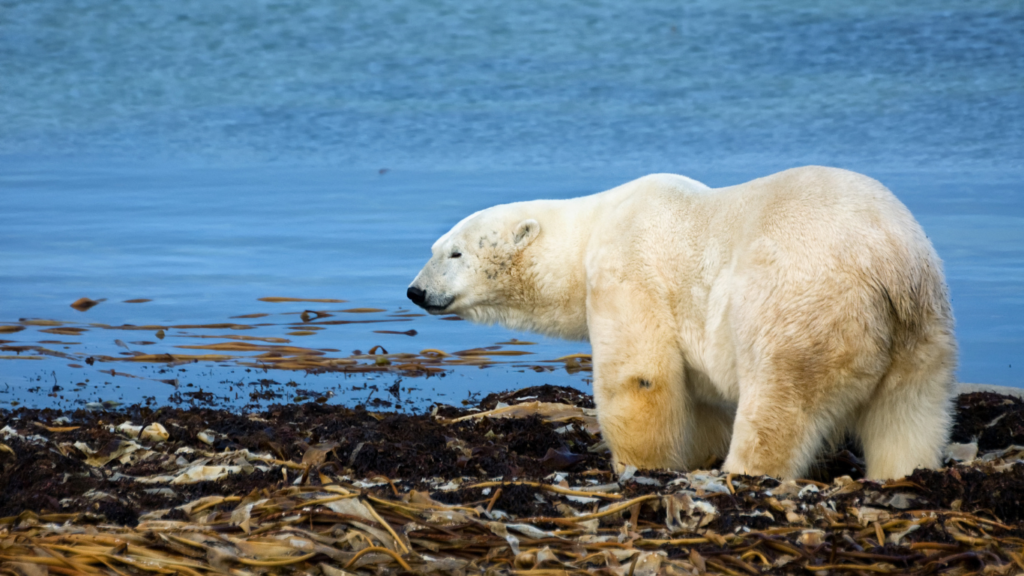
x=525 y=232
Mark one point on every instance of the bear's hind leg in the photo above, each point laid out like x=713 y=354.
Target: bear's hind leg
x=906 y=423
x=784 y=415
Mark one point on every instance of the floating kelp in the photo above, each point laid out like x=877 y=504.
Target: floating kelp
x=83 y=304
x=286 y=299
x=266 y=352
x=520 y=486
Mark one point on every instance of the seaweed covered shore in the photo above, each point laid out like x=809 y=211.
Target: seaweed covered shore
x=520 y=483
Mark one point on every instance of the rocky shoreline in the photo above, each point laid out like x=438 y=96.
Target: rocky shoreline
x=520 y=482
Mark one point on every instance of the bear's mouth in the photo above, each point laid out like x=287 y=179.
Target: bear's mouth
x=438 y=307
x=428 y=301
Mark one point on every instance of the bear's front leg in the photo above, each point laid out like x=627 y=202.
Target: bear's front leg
x=639 y=385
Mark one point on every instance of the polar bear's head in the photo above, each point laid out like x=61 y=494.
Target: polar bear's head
x=478 y=270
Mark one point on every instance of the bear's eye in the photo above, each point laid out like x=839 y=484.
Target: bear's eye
x=456 y=254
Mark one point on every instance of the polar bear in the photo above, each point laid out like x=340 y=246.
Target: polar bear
x=751 y=323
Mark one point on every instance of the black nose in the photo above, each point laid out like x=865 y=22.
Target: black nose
x=417 y=296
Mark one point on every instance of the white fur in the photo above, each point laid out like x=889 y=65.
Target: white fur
x=750 y=322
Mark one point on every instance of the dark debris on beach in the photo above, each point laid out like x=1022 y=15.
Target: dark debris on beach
x=520 y=483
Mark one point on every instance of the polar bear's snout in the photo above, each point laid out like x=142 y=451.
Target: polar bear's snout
x=417 y=295
x=430 y=301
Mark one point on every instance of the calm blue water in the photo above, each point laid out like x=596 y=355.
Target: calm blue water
x=206 y=154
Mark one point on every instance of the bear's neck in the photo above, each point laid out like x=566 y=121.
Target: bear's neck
x=554 y=291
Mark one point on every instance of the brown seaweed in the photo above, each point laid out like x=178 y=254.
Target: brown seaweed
x=521 y=484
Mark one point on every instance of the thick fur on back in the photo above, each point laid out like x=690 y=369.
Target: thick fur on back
x=749 y=322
